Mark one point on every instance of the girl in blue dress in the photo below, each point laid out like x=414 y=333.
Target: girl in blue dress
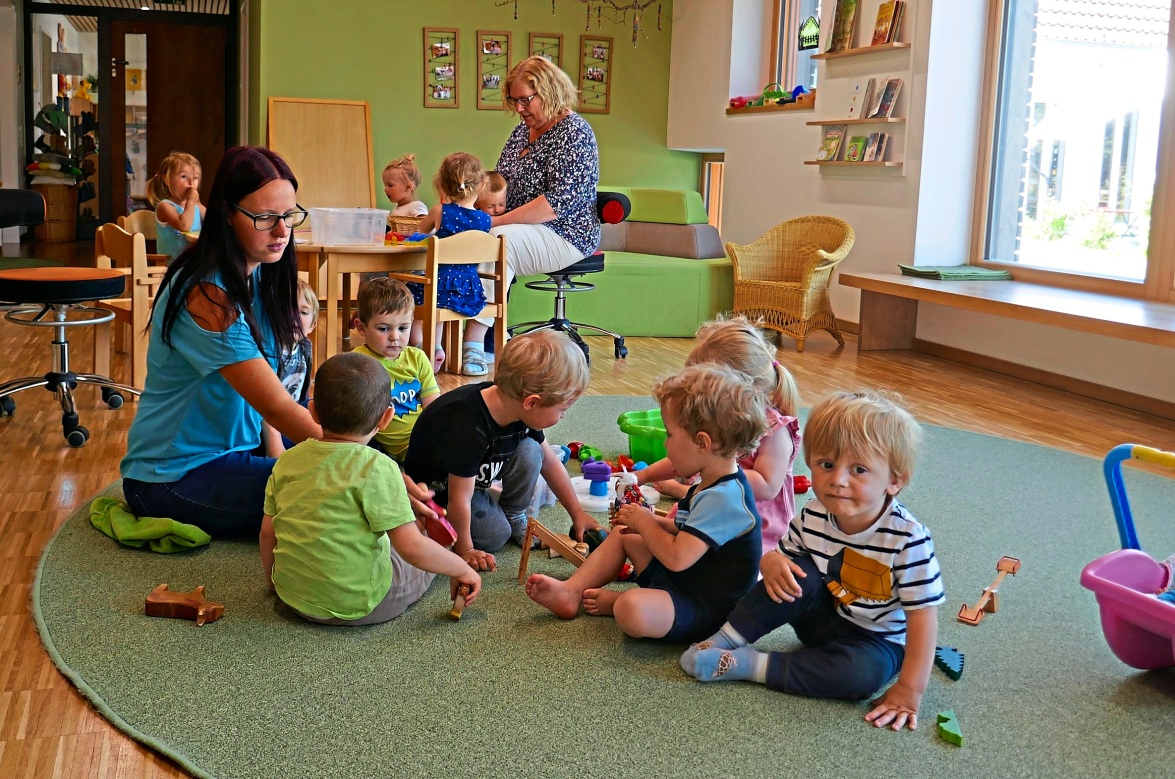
x=459 y=288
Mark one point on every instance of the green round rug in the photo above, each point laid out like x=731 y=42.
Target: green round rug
x=511 y=691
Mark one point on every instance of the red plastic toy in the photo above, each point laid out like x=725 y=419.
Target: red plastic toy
x=801 y=484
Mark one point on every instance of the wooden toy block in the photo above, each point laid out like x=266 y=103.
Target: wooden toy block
x=950 y=660
x=989 y=601
x=459 y=602
x=183 y=605
x=948 y=727
x=557 y=542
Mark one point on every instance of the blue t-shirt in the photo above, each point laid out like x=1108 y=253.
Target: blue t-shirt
x=188 y=414
x=171 y=241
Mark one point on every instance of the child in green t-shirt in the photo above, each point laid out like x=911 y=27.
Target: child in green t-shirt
x=339 y=542
x=386 y=310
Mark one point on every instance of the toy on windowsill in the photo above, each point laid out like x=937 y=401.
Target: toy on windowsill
x=162 y=602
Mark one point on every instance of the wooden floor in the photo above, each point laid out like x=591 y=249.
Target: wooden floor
x=48 y=730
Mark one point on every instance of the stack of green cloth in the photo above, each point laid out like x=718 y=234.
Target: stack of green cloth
x=159 y=534
x=954 y=272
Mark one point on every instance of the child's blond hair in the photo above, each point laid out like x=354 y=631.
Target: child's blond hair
x=460 y=176
x=715 y=399
x=383 y=295
x=494 y=183
x=545 y=363
x=866 y=422
x=351 y=393
x=405 y=168
x=737 y=342
x=306 y=295
x=159 y=186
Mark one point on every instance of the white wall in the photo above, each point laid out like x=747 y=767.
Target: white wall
x=920 y=213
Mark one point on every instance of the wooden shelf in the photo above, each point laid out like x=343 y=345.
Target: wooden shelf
x=886 y=120
x=835 y=55
x=834 y=163
x=769 y=109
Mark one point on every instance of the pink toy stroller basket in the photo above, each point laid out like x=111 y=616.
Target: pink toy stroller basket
x=1139 y=627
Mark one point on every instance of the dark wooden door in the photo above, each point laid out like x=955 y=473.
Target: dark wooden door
x=181 y=102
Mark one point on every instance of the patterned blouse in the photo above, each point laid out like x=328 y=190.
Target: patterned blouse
x=563 y=164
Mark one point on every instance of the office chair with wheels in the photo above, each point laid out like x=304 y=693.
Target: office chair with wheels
x=612 y=208
x=55 y=297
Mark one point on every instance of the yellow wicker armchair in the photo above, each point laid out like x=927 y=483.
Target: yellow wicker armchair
x=782 y=278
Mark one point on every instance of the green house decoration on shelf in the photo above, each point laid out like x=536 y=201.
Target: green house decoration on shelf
x=809 y=34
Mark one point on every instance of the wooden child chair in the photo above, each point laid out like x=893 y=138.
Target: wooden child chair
x=121 y=249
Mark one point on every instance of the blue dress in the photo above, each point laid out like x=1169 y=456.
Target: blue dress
x=458 y=286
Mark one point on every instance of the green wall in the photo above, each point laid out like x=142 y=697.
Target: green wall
x=372 y=50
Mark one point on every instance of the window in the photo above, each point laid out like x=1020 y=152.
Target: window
x=713 y=171
x=1075 y=145
x=797 y=24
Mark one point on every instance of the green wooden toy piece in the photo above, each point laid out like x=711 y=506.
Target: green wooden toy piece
x=950 y=660
x=948 y=727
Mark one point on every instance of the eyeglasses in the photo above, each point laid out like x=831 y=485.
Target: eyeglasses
x=521 y=101
x=266 y=222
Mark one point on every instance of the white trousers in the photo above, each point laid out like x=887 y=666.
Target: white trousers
x=530 y=250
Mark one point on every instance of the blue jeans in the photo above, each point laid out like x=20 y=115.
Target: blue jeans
x=225 y=497
x=489 y=525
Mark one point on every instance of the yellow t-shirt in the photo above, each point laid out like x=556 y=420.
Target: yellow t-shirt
x=412 y=381
x=332 y=505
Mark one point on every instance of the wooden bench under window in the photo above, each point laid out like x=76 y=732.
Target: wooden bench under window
x=889 y=308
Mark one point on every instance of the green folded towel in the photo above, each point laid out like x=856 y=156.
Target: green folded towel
x=954 y=272
x=114 y=519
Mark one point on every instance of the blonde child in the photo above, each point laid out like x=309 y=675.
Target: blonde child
x=739 y=344
x=694 y=568
x=295 y=365
x=385 y=322
x=174 y=193
x=478 y=433
x=339 y=542
x=492 y=199
x=459 y=288
x=401 y=177
x=857 y=634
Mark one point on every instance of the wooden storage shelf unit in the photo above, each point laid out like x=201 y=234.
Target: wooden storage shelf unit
x=835 y=55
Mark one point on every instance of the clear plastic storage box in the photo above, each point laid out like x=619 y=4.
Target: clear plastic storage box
x=348 y=226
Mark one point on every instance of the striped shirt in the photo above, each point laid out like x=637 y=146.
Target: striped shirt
x=876 y=574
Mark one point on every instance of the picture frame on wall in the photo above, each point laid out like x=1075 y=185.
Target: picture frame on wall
x=493 y=63
x=549 y=45
x=441 y=67
x=595 y=74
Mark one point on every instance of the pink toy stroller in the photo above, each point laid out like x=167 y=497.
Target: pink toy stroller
x=1139 y=627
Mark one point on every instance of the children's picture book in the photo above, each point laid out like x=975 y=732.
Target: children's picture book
x=830 y=145
x=889 y=96
x=843 y=26
x=875 y=148
x=881 y=29
x=860 y=93
x=855 y=151
x=895 y=27
x=874 y=103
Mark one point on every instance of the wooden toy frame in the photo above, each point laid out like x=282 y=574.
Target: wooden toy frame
x=436 y=41
x=560 y=544
x=989 y=602
x=549 y=45
x=493 y=63
x=595 y=59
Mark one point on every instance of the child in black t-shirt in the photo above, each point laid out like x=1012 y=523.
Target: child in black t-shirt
x=475 y=434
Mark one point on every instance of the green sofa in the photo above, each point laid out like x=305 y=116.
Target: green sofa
x=665 y=272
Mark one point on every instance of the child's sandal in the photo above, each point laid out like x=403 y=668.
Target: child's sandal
x=438 y=359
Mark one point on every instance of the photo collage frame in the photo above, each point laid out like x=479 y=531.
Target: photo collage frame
x=595 y=74
x=549 y=45
x=493 y=63
x=441 y=59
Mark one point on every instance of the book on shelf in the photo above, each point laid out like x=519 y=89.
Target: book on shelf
x=889 y=95
x=882 y=29
x=874 y=103
x=830 y=144
x=875 y=147
x=855 y=151
x=843 y=26
x=895 y=26
x=860 y=93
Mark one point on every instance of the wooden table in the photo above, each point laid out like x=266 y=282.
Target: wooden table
x=341 y=260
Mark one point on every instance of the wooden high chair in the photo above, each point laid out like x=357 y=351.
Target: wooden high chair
x=468 y=248
x=120 y=249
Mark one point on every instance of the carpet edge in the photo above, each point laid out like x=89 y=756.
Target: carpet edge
x=77 y=681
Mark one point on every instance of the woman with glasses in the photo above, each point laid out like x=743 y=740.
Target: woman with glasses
x=224 y=312
x=551 y=166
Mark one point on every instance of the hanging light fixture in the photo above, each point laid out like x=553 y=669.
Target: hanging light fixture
x=615 y=11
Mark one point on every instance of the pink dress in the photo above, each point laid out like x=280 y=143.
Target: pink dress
x=777 y=513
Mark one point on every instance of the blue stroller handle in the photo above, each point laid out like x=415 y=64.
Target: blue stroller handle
x=1112 y=467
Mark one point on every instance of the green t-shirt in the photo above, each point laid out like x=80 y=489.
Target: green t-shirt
x=332 y=504
x=412 y=382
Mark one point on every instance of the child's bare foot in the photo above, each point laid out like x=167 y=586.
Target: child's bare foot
x=598 y=601
x=553 y=595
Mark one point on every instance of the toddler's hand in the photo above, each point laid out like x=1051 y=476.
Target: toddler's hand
x=471 y=580
x=779 y=577
x=479 y=560
x=898 y=708
x=630 y=517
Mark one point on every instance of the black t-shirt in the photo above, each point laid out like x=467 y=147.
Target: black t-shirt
x=456 y=434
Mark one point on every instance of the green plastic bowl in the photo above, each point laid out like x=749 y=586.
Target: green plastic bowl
x=646 y=435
